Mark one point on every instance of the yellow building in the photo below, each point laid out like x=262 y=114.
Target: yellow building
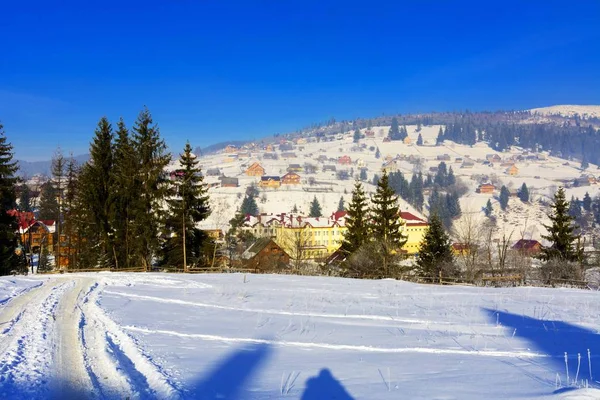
x=512 y=170
x=415 y=228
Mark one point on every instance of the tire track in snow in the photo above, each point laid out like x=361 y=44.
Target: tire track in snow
x=327 y=346
x=116 y=365
x=25 y=361
x=388 y=318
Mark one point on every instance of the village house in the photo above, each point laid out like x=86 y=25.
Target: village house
x=270 y=156
x=486 y=188
x=265 y=255
x=322 y=158
x=301 y=141
x=458 y=160
x=269 y=147
x=493 y=158
x=528 y=246
x=390 y=166
x=330 y=168
x=512 y=170
x=270 y=182
x=443 y=157
x=35 y=234
x=460 y=249
x=345 y=160
x=255 y=170
x=286 y=147
x=467 y=164
x=414 y=228
x=294 y=168
x=229 y=182
x=289 y=155
x=290 y=178
x=370 y=134
x=213 y=172
x=230 y=148
x=231 y=157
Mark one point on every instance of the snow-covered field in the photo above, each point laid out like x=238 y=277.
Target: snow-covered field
x=235 y=336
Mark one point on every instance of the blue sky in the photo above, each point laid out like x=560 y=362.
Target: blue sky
x=214 y=70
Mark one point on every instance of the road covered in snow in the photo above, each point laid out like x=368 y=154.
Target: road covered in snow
x=236 y=336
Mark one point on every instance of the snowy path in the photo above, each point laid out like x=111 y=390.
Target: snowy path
x=55 y=342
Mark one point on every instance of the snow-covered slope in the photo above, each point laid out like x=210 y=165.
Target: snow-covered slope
x=236 y=336
x=569 y=111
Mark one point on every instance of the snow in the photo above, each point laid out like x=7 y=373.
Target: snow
x=569 y=111
x=245 y=336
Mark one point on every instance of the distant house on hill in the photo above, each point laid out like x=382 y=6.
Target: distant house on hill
x=230 y=149
x=255 y=170
x=467 y=164
x=288 y=155
x=269 y=182
x=265 y=255
x=290 y=178
x=322 y=158
x=213 y=172
x=486 y=188
x=229 y=182
x=390 y=166
x=345 y=160
x=286 y=147
x=270 y=156
x=330 y=168
x=530 y=247
x=370 y=134
x=443 y=157
x=493 y=158
x=512 y=170
x=294 y=168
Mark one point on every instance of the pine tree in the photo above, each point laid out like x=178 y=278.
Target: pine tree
x=48 y=209
x=25 y=198
x=377 y=153
x=97 y=176
x=386 y=222
x=488 y=208
x=357 y=226
x=584 y=162
x=561 y=231
x=435 y=252
x=504 y=196
x=70 y=225
x=440 y=137
x=357 y=135
x=394 y=133
x=363 y=174
x=188 y=206
x=315 y=208
x=574 y=208
x=295 y=209
x=123 y=198
x=403 y=133
x=420 y=140
x=587 y=202
x=58 y=176
x=249 y=206
x=9 y=260
x=341 y=205
x=152 y=158
x=524 y=193
x=450 y=178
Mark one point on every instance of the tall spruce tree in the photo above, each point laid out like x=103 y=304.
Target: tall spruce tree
x=25 y=198
x=524 y=193
x=357 y=224
x=440 y=137
x=9 y=260
x=315 y=208
x=48 y=209
x=152 y=158
x=188 y=206
x=504 y=196
x=97 y=178
x=249 y=206
x=587 y=202
x=386 y=223
x=356 y=137
x=123 y=197
x=341 y=204
x=560 y=232
x=574 y=208
x=58 y=176
x=394 y=132
x=488 y=208
x=420 y=140
x=435 y=252
x=70 y=225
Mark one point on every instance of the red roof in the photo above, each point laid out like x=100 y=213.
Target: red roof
x=526 y=244
x=338 y=214
x=405 y=215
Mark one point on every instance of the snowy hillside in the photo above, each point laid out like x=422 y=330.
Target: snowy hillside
x=569 y=111
x=234 y=336
x=542 y=174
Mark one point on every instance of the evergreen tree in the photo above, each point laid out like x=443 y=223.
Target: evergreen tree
x=574 y=208
x=420 y=140
x=341 y=206
x=70 y=225
x=561 y=231
x=450 y=178
x=587 y=202
x=357 y=135
x=377 y=153
x=58 y=176
x=488 y=208
x=403 y=133
x=9 y=260
x=386 y=222
x=25 y=198
x=394 y=133
x=188 y=206
x=152 y=158
x=363 y=174
x=97 y=177
x=418 y=129
x=524 y=193
x=123 y=198
x=584 y=162
x=249 y=206
x=295 y=209
x=315 y=208
x=440 y=137
x=504 y=196
x=48 y=209
x=435 y=252
x=357 y=223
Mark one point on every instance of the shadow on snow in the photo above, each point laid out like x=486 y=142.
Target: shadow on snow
x=554 y=339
